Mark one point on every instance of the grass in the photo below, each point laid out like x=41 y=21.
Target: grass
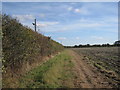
x=55 y=73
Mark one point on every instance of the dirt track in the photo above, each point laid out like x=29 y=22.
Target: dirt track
x=86 y=75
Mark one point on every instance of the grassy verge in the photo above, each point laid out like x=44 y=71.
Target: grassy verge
x=55 y=73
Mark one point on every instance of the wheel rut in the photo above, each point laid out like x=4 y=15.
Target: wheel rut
x=86 y=75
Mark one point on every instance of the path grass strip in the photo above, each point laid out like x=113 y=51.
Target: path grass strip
x=55 y=73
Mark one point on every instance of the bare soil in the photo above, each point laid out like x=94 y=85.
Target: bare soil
x=86 y=75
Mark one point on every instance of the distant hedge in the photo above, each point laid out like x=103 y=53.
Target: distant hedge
x=117 y=43
x=21 y=44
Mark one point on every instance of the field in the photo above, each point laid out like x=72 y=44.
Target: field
x=59 y=45
x=76 y=68
x=105 y=59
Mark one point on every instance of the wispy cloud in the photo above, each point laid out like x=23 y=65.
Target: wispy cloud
x=45 y=24
x=82 y=10
x=97 y=37
x=77 y=38
x=24 y=17
x=81 y=22
x=81 y=25
x=70 y=8
x=42 y=15
x=61 y=38
x=89 y=24
x=77 y=10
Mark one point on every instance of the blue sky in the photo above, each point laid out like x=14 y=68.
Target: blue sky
x=69 y=23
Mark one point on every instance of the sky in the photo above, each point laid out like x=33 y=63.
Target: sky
x=69 y=23
x=60 y=0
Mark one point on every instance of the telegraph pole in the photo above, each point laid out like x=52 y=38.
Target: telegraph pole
x=35 y=24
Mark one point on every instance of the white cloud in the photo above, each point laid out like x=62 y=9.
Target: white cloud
x=98 y=24
x=77 y=38
x=62 y=38
x=52 y=23
x=73 y=3
x=24 y=17
x=44 y=24
x=77 y=10
x=97 y=37
x=42 y=15
x=70 y=8
x=82 y=10
x=81 y=26
x=93 y=24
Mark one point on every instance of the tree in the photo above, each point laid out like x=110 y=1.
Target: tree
x=117 y=43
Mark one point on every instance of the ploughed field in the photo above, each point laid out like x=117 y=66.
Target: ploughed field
x=104 y=59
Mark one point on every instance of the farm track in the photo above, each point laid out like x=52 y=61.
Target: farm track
x=87 y=76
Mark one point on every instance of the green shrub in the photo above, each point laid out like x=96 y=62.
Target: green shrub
x=21 y=44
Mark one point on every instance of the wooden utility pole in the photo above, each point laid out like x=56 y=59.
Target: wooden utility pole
x=35 y=24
